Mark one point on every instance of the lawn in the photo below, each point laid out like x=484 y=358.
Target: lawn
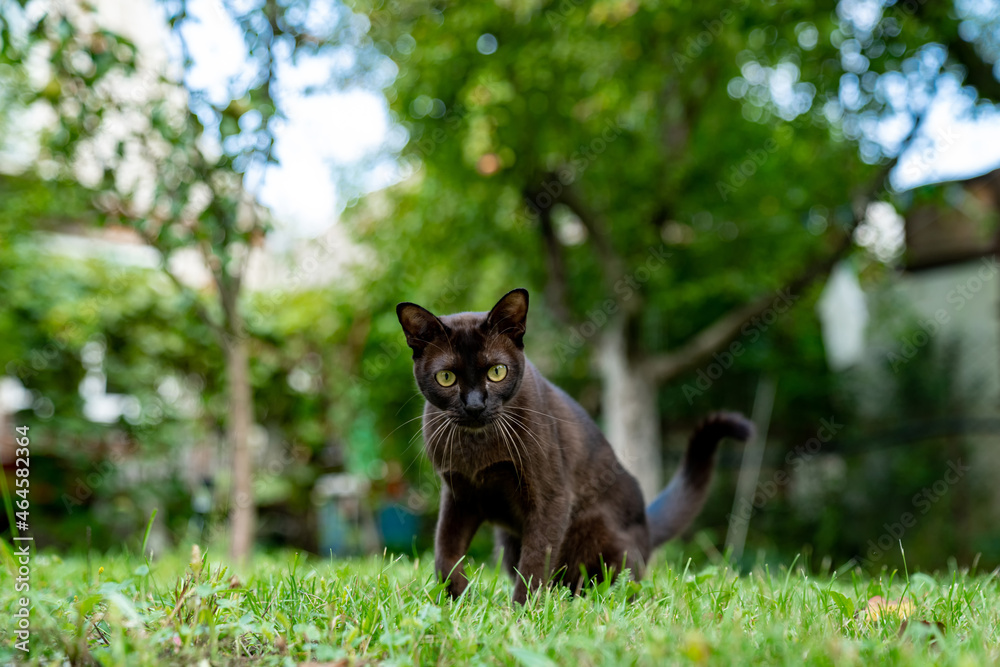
x=289 y=610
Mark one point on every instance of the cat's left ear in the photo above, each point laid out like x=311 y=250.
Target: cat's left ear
x=509 y=316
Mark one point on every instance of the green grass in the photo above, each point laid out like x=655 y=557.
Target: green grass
x=286 y=610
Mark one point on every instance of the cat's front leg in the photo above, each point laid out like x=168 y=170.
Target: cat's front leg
x=541 y=546
x=456 y=526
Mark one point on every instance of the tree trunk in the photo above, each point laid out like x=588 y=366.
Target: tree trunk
x=631 y=418
x=242 y=517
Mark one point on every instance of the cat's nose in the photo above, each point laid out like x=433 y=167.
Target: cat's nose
x=475 y=406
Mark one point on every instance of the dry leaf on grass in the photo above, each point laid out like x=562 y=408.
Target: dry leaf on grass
x=878 y=608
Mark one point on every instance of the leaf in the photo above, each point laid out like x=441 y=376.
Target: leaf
x=844 y=603
x=149 y=527
x=126 y=608
x=530 y=658
x=87 y=604
x=922 y=584
x=695 y=647
x=925 y=630
x=706 y=574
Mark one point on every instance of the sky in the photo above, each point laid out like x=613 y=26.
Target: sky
x=322 y=130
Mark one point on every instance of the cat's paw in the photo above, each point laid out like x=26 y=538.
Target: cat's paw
x=457 y=585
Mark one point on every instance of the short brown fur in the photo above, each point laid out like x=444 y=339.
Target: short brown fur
x=521 y=454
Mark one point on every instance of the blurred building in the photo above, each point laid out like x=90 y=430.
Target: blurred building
x=940 y=316
x=952 y=281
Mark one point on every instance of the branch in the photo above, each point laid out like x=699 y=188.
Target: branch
x=611 y=263
x=555 y=265
x=229 y=285
x=666 y=366
x=226 y=298
x=612 y=266
x=199 y=307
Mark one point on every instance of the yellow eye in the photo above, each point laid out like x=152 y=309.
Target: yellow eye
x=445 y=378
x=497 y=373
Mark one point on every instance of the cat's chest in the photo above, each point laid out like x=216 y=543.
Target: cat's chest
x=498 y=492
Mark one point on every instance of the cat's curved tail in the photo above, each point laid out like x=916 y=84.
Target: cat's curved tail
x=678 y=504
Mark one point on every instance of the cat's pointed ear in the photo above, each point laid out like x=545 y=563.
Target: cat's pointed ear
x=509 y=316
x=420 y=325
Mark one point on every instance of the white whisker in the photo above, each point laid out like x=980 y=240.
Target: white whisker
x=399 y=427
x=525 y=428
x=428 y=422
x=514 y=433
x=544 y=414
x=499 y=435
x=432 y=438
x=419 y=393
x=509 y=437
x=452 y=435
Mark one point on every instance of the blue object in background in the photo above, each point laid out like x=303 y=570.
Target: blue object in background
x=399 y=527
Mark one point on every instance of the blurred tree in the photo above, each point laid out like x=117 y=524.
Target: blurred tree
x=674 y=174
x=177 y=164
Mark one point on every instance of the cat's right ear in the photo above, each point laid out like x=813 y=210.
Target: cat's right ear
x=508 y=316
x=420 y=325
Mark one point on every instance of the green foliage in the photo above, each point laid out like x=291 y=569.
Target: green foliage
x=496 y=135
x=177 y=166
x=611 y=102
x=657 y=118
x=652 y=115
x=535 y=106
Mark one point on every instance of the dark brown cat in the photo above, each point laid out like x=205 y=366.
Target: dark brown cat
x=513 y=449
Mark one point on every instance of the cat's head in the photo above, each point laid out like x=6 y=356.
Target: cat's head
x=468 y=364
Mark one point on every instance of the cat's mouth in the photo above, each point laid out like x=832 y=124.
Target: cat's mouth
x=473 y=429
x=474 y=423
